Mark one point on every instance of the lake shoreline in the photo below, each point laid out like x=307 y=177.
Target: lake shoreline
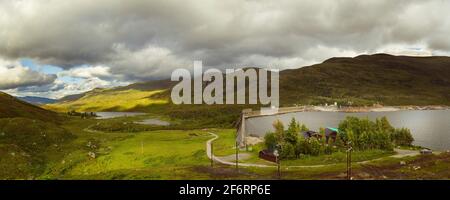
x=356 y=109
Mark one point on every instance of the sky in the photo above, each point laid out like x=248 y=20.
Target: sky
x=53 y=48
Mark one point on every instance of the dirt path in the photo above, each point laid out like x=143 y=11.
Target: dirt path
x=222 y=161
x=230 y=160
x=403 y=153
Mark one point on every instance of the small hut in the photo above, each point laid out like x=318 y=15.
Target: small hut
x=331 y=133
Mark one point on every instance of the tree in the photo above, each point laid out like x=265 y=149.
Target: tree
x=303 y=127
x=402 y=137
x=291 y=135
x=383 y=124
x=279 y=130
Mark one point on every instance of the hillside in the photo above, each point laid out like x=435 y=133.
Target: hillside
x=362 y=80
x=368 y=79
x=26 y=145
x=13 y=107
x=28 y=135
x=109 y=100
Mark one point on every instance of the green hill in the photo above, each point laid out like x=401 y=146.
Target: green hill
x=13 y=107
x=368 y=79
x=362 y=80
x=28 y=135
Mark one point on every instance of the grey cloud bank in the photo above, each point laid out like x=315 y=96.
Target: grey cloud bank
x=139 y=40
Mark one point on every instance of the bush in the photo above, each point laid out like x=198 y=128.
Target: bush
x=366 y=134
x=287 y=151
x=270 y=141
x=316 y=147
x=402 y=137
x=328 y=149
x=302 y=147
x=363 y=133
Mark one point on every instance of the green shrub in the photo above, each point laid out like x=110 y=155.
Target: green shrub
x=287 y=151
x=365 y=134
x=301 y=147
x=402 y=137
x=270 y=141
x=329 y=149
x=316 y=147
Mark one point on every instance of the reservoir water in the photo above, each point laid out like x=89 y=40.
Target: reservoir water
x=430 y=128
x=108 y=115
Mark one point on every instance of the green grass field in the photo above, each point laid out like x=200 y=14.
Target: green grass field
x=171 y=154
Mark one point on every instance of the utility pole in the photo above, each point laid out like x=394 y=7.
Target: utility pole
x=212 y=155
x=237 y=156
x=349 y=160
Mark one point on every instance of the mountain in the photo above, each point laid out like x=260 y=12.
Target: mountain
x=369 y=79
x=37 y=100
x=18 y=108
x=362 y=80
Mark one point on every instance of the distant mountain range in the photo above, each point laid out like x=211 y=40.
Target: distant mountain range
x=37 y=100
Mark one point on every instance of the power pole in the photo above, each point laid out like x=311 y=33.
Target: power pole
x=237 y=156
x=279 y=168
x=212 y=155
x=349 y=160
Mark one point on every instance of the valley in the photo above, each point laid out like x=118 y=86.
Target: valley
x=44 y=142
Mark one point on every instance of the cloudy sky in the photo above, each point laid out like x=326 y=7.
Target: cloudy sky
x=53 y=48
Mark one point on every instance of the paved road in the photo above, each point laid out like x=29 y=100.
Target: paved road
x=400 y=154
x=220 y=160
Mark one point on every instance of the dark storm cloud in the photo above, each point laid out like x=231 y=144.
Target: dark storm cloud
x=147 y=39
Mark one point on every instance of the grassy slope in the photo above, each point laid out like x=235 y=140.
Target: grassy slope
x=13 y=107
x=29 y=137
x=389 y=80
x=107 y=100
x=27 y=144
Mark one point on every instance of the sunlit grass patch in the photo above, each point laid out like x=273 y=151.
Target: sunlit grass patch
x=111 y=100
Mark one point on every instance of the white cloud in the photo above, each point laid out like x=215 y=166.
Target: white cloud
x=87 y=72
x=13 y=75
